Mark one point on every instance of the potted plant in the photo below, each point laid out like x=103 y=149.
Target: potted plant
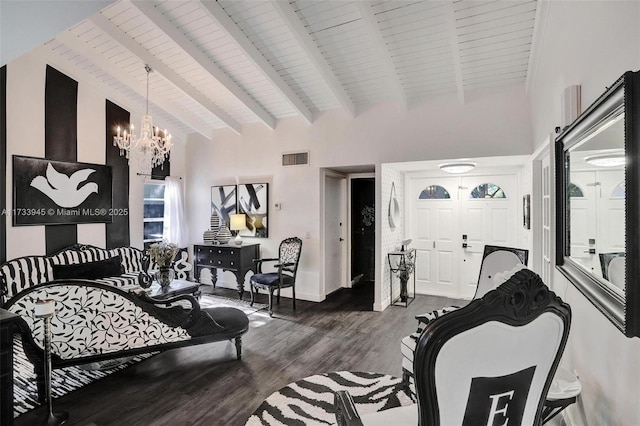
x=163 y=254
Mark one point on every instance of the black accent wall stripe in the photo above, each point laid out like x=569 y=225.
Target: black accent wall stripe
x=3 y=161
x=60 y=142
x=117 y=232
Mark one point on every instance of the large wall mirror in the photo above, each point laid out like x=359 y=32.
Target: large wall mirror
x=598 y=199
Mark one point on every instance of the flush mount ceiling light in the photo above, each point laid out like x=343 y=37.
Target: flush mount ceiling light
x=611 y=159
x=457 y=167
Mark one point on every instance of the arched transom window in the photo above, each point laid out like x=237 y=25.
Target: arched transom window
x=434 y=192
x=575 y=191
x=487 y=190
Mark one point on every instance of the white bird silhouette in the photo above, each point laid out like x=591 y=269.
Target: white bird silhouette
x=63 y=189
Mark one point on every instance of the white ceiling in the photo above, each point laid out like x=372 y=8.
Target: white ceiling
x=225 y=64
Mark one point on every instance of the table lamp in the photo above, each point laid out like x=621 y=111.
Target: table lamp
x=238 y=223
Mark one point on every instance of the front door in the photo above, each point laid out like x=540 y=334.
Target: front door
x=433 y=227
x=487 y=216
x=451 y=220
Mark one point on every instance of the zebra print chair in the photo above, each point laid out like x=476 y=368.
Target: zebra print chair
x=518 y=333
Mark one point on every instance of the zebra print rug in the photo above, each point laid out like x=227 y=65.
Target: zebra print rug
x=310 y=401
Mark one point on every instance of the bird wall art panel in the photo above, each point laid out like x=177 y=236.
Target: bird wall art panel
x=47 y=192
x=253 y=201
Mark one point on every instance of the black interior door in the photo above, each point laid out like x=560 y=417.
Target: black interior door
x=362 y=230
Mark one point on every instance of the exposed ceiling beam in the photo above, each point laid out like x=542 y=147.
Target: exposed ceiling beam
x=217 y=13
x=291 y=20
x=78 y=46
x=382 y=51
x=68 y=67
x=158 y=66
x=455 y=49
x=539 y=27
x=160 y=21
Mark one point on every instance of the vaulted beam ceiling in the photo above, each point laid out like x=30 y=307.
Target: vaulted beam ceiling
x=228 y=64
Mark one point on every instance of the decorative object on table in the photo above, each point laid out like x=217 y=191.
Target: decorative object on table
x=402 y=264
x=253 y=201
x=209 y=236
x=58 y=192
x=223 y=201
x=526 y=211
x=238 y=223
x=144 y=279
x=163 y=254
x=45 y=309
x=224 y=234
x=151 y=148
x=215 y=222
x=394 y=208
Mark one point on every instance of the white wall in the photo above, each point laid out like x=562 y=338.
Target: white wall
x=487 y=124
x=25 y=136
x=591 y=43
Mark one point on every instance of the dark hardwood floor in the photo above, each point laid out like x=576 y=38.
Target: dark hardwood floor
x=205 y=385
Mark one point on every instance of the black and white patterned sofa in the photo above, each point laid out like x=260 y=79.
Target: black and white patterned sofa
x=82 y=262
x=102 y=319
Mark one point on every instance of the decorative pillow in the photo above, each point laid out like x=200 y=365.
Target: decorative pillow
x=111 y=267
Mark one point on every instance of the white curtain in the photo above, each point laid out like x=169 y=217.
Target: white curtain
x=175 y=225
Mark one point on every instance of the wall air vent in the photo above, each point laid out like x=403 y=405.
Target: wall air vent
x=295 y=159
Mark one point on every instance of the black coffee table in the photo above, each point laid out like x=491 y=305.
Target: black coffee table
x=176 y=288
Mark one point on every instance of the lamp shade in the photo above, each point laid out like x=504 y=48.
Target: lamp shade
x=238 y=222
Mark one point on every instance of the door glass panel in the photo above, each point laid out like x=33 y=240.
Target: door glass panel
x=487 y=190
x=434 y=192
x=618 y=191
x=575 y=191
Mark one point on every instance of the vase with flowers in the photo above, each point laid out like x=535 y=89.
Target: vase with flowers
x=163 y=254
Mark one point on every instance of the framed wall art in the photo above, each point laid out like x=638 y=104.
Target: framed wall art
x=223 y=201
x=47 y=192
x=253 y=201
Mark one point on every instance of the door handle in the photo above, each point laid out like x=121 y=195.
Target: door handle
x=340 y=239
x=465 y=245
x=591 y=251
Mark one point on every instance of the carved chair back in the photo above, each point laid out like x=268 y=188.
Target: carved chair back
x=492 y=362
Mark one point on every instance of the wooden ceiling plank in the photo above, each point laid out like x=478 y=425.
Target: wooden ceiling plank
x=130 y=81
x=311 y=49
x=158 y=66
x=177 y=37
x=382 y=52
x=217 y=13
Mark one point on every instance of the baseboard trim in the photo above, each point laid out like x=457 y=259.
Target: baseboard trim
x=308 y=297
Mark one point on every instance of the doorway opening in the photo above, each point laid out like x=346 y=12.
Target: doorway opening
x=348 y=247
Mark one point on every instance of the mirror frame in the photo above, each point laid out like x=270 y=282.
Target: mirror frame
x=622 y=96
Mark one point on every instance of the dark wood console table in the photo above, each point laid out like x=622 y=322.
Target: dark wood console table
x=8 y=324
x=228 y=257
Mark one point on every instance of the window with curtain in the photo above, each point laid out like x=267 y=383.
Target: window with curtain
x=174 y=223
x=153 y=212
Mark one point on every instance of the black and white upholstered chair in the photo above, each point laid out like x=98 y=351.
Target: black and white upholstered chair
x=286 y=265
x=498 y=263
x=490 y=362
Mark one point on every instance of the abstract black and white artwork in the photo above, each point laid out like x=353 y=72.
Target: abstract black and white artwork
x=223 y=201
x=47 y=192
x=253 y=201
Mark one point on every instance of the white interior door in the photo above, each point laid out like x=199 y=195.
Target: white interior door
x=432 y=226
x=488 y=215
x=334 y=233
